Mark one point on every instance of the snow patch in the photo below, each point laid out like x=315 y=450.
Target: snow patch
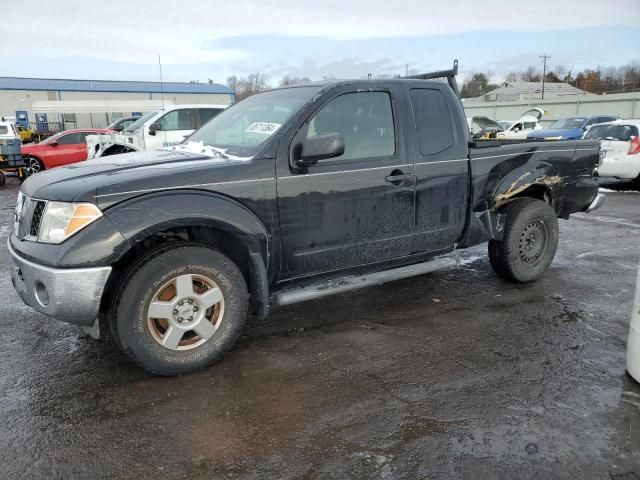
x=202 y=149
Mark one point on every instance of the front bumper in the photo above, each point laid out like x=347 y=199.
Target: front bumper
x=69 y=294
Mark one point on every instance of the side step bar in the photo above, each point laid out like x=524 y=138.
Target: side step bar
x=354 y=282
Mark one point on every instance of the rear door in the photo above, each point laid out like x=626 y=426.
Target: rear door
x=356 y=208
x=441 y=169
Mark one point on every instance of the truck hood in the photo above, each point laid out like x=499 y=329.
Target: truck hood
x=565 y=133
x=129 y=172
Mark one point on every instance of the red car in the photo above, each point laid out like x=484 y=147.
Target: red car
x=61 y=149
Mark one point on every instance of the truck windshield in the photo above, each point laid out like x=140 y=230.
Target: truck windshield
x=243 y=127
x=140 y=122
x=571 y=122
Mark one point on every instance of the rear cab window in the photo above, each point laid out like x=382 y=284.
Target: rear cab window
x=432 y=119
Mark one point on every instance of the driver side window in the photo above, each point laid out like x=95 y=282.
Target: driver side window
x=70 y=139
x=364 y=120
x=178 y=120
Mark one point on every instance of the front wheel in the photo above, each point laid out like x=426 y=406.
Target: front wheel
x=529 y=243
x=180 y=309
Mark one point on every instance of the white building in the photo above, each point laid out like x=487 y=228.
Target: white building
x=511 y=91
x=17 y=96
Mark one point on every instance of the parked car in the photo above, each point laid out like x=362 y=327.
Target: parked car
x=483 y=128
x=570 y=128
x=620 y=148
x=26 y=134
x=154 y=130
x=121 y=123
x=528 y=121
x=58 y=150
x=292 y=194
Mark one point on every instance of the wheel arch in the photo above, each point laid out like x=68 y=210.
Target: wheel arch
x=197 y=217
x=538 y=183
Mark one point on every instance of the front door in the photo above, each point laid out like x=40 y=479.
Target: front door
x=71 y=148
x=175 y=126
x=354 y=209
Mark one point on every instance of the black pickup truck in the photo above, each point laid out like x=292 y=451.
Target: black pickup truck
x=289 y=195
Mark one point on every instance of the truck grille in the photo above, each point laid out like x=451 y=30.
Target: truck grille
x=28 y=217
x=38 y=213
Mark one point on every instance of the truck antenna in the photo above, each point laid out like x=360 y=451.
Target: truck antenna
x=161 y=84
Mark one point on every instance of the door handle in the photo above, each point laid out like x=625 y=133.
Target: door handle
x=398 y=178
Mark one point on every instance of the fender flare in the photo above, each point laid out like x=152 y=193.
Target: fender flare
x=143 y=216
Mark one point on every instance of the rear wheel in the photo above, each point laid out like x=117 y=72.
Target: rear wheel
x=529 y=242
x=33 y=164
x=180 y=309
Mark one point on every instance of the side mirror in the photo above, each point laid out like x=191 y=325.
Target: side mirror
x=155 y=127
x=53 y=144
x=119 y=128
x=321 y=147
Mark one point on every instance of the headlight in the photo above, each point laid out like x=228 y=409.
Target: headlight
x=61 y=220
x=559 y=137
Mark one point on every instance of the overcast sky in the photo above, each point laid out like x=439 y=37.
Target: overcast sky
x=200 y=39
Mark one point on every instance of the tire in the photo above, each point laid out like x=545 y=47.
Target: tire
x=33 y=165
x=529 y=243
x=159 y=281
x=3 y=179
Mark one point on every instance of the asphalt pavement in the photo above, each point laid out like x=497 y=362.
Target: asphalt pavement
x=456 y=374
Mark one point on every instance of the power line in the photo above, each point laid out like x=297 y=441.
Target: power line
x=544 y=71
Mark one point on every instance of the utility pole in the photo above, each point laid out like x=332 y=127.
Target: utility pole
x=544 y=71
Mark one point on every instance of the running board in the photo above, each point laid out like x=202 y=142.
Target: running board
x=354 y=282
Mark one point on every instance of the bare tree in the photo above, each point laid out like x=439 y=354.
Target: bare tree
x=531 y=74
x=232 y=83
x=511 y=77
x=289 y=80
x=477 y=84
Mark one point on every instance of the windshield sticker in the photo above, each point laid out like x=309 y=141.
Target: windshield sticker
x=265 y=128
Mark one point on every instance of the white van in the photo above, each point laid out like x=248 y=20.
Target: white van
x=153 y=130
x=8 y=131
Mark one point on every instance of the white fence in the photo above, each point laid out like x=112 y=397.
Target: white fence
x=625 y=105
